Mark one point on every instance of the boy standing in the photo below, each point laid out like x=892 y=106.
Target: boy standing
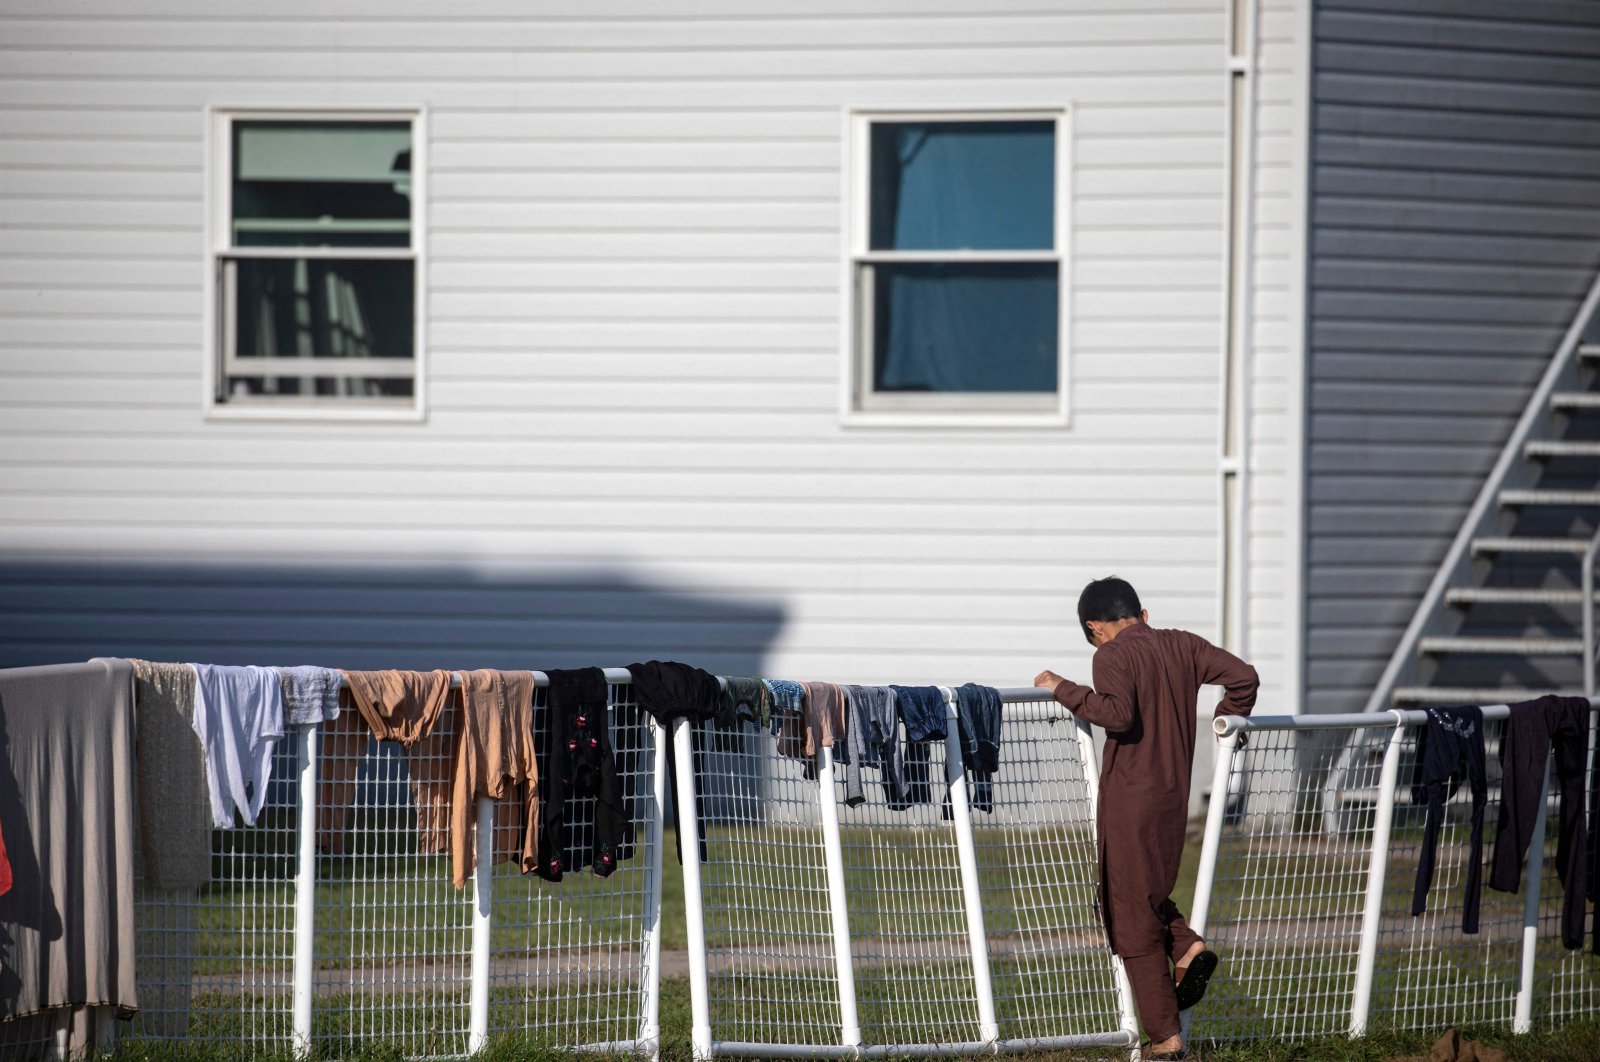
x=1145 y=694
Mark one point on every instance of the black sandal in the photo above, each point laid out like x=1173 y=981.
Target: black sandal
x=1191 y=988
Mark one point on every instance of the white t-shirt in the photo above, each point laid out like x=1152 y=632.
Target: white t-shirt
x=238 y=713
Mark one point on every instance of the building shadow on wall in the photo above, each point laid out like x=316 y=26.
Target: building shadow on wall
x=371 y=616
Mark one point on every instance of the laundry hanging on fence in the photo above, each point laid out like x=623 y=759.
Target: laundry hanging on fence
x=584 y=816
x=403 y=706
x=1534 y=730
x=978 y=725
x=67 y=810
x=1450 y=748
x=872 y=736
x=817 y=725
x=174 y=802
x=668 y=690
x=745 y=700
x=922 y=711
x=238 y=715
x=310 y=694
x=494 y=759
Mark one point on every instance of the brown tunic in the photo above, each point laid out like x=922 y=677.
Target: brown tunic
x=1146 y=691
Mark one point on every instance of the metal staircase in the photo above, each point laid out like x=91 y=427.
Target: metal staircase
x=1506 y=613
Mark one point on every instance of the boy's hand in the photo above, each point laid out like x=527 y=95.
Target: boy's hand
x=1048 y=680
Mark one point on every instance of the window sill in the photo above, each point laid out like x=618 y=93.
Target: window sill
x=274 y=410
x=987 y=419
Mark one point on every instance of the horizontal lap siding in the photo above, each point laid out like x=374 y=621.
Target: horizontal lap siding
x=632 y=445
x=1455 y=226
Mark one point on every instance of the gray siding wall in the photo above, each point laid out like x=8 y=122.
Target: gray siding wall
x=1455 y=225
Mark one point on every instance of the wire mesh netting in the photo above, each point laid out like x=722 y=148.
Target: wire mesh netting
x=1285 y=912
x=1288 y=898
x=769 y=941
x=1037 y=867
x=568 y=961
x=908 y=929
x=393 y=936
x=216 y=963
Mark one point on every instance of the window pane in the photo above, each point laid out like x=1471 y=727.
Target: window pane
x=339 y=184
x=969 y=327
x=318 y=387
x=324 y=308
x=940 y=186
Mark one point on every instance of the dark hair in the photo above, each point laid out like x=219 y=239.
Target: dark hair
x=1106 y=601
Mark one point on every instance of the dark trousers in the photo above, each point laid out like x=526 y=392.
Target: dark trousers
x=1154 y=991
x=1535 y=729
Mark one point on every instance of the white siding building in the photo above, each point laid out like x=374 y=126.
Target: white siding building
x=642 y=417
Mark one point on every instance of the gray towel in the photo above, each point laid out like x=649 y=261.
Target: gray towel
x=310 y=694
x=174 y=806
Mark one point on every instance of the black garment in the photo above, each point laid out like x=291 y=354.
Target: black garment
x=1534 y=729
x=583 y=816
x=1450 y=747
x=669 y=690
x=922 y=710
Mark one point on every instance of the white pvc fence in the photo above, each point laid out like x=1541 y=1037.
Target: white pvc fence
x=1305 y=883
x=321 y=931
x=820 y=930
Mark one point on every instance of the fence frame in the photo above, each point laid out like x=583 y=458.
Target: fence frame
x=1232 y=731
x=1026 y=701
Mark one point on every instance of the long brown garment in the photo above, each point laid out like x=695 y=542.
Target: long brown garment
x=1146 y=692
x=408 y=707
x=493 y=757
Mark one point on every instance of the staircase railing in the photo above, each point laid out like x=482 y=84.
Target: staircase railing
x=1510 y=470
x=1587 y=584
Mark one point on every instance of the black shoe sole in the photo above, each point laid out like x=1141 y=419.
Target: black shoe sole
x=1192 y=989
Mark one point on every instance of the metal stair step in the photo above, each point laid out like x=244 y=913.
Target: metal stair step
x=1466 y=695
x=1512 y=595
x=1518 y=498
x=1461 y=644
x=1589 y=350
x=1529 y=545
x=1575 y=400
x=1542 y=448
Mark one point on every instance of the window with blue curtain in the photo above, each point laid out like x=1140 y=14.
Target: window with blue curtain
x=959 y=286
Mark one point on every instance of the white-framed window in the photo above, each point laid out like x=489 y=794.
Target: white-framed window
x=956 y=267
x=315 y=263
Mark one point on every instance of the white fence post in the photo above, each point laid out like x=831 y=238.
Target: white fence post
x=1091 y=781
x=838 y=907
x=693 y=897
x=1211 y=844
x=1522 y=1020
x=1377 y=870
x=972 y=897
x=307 y=741
x=650 y=1030
x=482 y=929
